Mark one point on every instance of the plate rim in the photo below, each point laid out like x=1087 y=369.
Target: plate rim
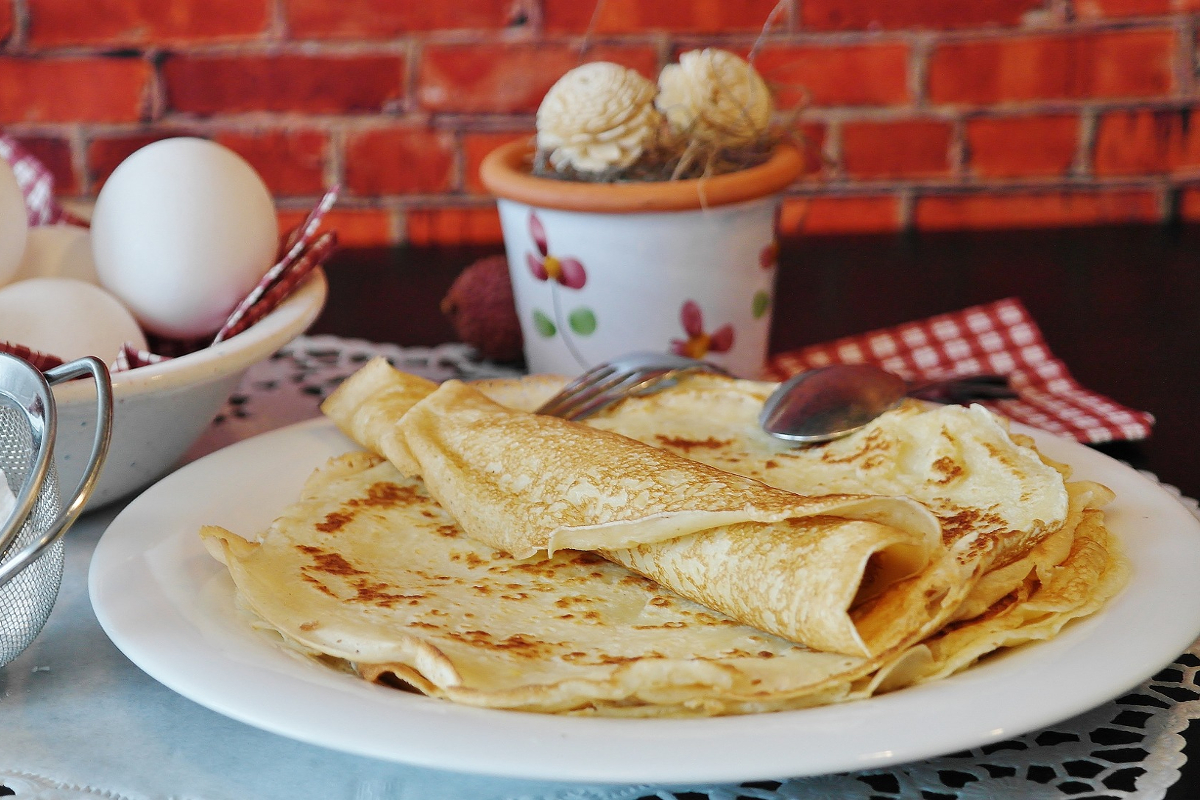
x=548 y=747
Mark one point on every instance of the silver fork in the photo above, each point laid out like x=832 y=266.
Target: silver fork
x=605 y=384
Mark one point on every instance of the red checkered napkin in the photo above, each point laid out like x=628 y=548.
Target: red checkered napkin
x=36 y=182
x=41 y=208
x=998 y=337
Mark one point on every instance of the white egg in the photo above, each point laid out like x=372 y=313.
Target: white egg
x=58 y=251
x=182 y=231
x=67 y=318
x=14 y=222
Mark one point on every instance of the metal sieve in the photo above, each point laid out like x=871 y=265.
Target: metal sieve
x=31 y=547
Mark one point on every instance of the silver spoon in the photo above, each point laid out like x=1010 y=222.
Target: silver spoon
x=829 y=402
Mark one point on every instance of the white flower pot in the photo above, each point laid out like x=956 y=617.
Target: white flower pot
x=600 y=270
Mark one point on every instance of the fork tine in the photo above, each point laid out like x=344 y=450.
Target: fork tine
x=630 y=383
x=569 y=405
x=579 y=385
x=611 y=386
x=605 y=384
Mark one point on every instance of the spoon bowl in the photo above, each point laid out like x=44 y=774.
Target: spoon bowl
x=830 y=402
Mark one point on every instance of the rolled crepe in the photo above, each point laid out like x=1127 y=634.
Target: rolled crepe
x=366 y=572
x=788 y=564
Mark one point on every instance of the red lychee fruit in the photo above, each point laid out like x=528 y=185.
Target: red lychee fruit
x=480 y=307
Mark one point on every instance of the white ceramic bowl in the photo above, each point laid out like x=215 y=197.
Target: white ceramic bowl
x=160 y=410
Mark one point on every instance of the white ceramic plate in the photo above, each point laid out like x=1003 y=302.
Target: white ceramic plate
x=169 y=607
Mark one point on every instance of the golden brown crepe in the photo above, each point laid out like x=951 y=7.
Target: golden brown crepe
x=371 y=567
x=789 y=564
x=368 y=568
x=994 y=494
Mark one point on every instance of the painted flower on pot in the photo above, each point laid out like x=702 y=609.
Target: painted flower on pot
x=567 y=271
x=769 y=255
x=558 y=271
x=700 y=343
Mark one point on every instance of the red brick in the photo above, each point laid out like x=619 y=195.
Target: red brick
x=291 y=162
x=1086 y=65
x=1189 y=204
x=841 y=75
x=1006 y=147
x=311 y=84
x=477 y=145
x=810 y=138
x=73 y=89
x=378 y=19
x=1101 y=9
x=507 y=78
x=7 y=20
x=830 y=215
x=846 y=15
x=1141 y=142
x=372 y=227
x=904 y=149
x=678 y=16
x=399 y=161
x=55 y=155
x=454 y=226
x=1036 y=210
x=55 y=23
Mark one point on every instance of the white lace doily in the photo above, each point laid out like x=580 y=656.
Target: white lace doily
x=1128 y=748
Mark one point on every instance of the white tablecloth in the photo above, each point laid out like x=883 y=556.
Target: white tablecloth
x=79 y=720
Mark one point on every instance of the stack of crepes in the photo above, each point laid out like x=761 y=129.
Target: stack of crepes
x=667 y=557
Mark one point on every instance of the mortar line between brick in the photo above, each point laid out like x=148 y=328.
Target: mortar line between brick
x=1185 y=66
x=20 y=37
x=1168 y=205
x=920 y=50
x=952 y=111
x=791 y=18
x=277 y=27
x=458 y=163
x=77 y=147
x=906 y=210
x=996 y=187
x=412 y=75
x=959 y=156
x=155 y=106
x=1064 y=28
x=831 y=148
x=663 y=51
x=1085 y=154
x=285 y=44
x=398 y=225
x=335 y=164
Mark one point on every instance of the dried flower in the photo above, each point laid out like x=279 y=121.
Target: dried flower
x=598 y=116
x=714 y=97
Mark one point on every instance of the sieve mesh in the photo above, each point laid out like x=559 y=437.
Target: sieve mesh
x=27 y=599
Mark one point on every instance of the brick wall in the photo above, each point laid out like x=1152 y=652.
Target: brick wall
x=927 y=114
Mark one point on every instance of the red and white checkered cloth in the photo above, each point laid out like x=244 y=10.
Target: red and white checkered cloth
x=1000 y=338
x=36 y=182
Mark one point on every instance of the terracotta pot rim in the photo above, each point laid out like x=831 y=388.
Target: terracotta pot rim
x=505 y=173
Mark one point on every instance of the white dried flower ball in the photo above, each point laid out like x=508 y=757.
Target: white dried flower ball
x=714 y=96
x=597 y=116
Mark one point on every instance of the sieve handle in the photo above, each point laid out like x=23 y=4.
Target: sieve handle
x=33 y=393
x=80 y=368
